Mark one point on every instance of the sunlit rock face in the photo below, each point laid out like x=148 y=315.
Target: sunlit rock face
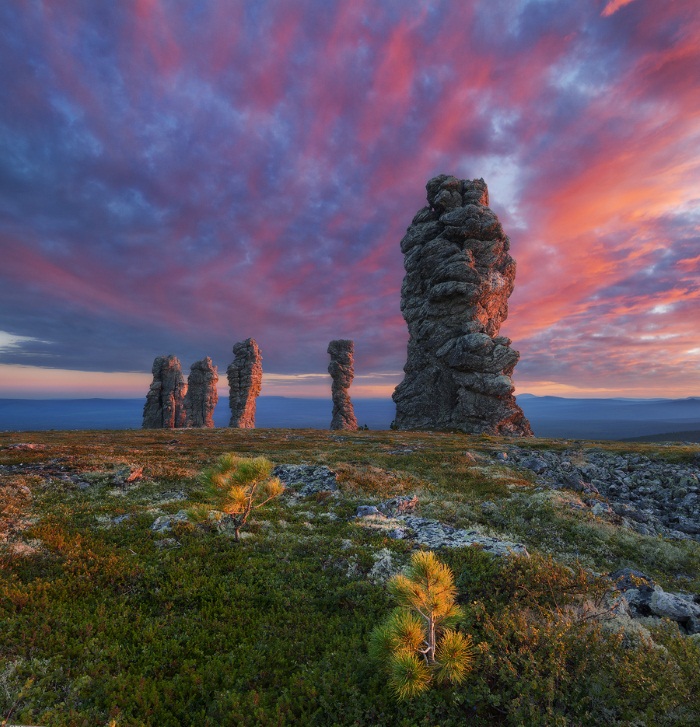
x=165 y=401
x=245 y=382
x=454 y=298
x=342 y=371
x=202 y=395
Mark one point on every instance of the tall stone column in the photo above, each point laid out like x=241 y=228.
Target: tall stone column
x=459 y=276
x=165 y=406
x=245 y=381
x=202 y=396
x=342 y=371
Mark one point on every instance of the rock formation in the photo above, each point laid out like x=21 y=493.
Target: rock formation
x=201 y=395
x=165 y=407
x=454 y=298
x=342 y=370
x=245 y=381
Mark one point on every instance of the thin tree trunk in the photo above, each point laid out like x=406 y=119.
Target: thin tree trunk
x=431 y=640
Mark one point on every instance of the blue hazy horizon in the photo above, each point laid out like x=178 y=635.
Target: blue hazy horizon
x=550 y=416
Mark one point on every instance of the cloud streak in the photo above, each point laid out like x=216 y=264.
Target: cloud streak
x=177 y=178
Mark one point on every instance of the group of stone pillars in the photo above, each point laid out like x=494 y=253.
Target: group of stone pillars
x=172 y=404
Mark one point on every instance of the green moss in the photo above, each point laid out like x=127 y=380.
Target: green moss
x=100 y=623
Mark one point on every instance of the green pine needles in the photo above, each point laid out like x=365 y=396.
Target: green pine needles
x=417 y=643
x=246 y=484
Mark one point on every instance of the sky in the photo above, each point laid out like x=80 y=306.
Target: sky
x=179 y=175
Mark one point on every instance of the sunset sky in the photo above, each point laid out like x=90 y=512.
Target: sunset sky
x=179 y=175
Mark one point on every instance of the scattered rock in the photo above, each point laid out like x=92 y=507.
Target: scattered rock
x=245 y=381
x=401 y=505
x=303 y=480
x=342 y=371
x=537 y=465
x=26 y=445
x=650 y=496
x=644 y=598
x=166 y=522
x=202 y=395
x=368 y=511
x=435 y=534
x=459 y=276
x=400 y=524
x=165 y=401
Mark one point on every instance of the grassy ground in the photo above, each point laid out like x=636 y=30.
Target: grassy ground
x=104 y=621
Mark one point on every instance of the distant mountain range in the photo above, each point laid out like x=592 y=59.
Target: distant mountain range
x=551 y=416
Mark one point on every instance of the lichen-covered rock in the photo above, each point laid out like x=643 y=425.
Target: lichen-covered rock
x=302 y=480
x=245 y=381
x=165 y=401
x=342 y=371
x=454 y=298
x=201 y=397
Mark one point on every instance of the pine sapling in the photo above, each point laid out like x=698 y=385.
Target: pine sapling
x=246 y=484
x=417 y=642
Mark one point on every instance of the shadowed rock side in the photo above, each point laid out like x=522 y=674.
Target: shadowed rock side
x=454 y=298
x=245 y=382
x=165 y=407
x=202 y=395
x=342 y=371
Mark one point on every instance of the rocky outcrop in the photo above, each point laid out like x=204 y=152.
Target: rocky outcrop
x=342 y=371
x=645 y=599
x=202 y=395
x=397 y=520
x=650 y=496
x=245 y=381
x=454 y=298
x=165 y=401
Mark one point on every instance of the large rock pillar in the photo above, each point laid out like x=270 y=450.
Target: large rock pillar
x=245 y=381
x=165 y=405
x=459 y=276
x=202 y=396
x=342 y=371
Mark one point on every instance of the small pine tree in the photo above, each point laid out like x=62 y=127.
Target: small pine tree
x=417 y=642
x=246 y=484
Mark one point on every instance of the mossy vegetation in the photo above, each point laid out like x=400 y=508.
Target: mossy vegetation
x=106 y=621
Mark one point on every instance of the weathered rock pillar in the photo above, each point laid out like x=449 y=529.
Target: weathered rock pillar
x=342 y=371
x=454 y=298
x=202 y=395
x=164 y=408
x=245 y=381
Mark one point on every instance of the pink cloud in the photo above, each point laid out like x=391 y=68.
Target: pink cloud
x=613 y=6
